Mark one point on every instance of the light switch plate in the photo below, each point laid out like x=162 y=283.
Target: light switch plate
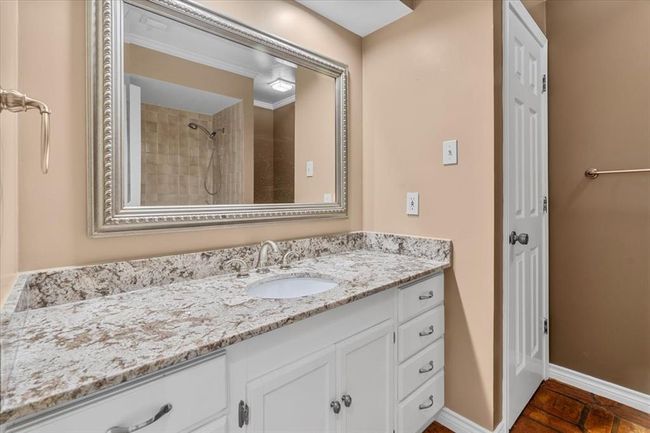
x=450 y=152
x=412 y=203
x=310 y=168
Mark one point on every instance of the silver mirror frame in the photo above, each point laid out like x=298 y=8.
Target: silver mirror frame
x=106 y=128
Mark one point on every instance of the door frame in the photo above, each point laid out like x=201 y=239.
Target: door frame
x=516 y=7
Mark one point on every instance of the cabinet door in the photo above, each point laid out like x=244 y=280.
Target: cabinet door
x=295 y=398
x=365 y=379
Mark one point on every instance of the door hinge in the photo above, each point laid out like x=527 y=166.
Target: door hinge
x=544 y=83
x=546 y=326
x=394 y=337
x=243 y=413
x=545 y=204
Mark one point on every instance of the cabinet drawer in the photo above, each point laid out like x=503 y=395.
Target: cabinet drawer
x=418 y=333
x=419 y=297
x=419 y=409
x=195 y=393
x=218 y=425
x=420 y=368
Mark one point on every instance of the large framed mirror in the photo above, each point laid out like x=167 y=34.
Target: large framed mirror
x=196 y=119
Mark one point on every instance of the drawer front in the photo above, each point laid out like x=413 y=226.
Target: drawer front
x=418 y=333
x=420 y=368
x=215 y=426
x=195 y=393
x=418 y=410
x=419 y=297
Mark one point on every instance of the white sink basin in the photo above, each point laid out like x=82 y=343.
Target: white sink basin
x=291 y=286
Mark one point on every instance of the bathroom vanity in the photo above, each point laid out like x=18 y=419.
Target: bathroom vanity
x=194 y=351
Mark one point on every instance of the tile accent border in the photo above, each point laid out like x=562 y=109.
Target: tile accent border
x=620 y=394
x=460 y=424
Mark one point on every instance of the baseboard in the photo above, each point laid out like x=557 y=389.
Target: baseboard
x=626 y=396
x=460 y=424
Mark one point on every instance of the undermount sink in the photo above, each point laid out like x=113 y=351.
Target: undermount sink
x=291 y=286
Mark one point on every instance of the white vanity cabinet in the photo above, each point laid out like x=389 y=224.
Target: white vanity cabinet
x=373 y=365
x=188 y=398
x=329 y=390
x=420 y=360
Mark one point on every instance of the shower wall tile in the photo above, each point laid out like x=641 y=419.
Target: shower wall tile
x=174 y=157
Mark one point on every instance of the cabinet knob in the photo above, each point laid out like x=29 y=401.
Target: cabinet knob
x=336 y=406
x=347 y=400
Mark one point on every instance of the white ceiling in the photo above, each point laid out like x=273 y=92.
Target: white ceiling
x=162 y=34
x=165 y=94
x=359 y=16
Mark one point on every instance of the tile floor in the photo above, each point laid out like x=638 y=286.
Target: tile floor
x=560 y=408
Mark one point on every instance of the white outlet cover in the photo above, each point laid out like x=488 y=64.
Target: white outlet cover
x=327 y=198
x=310 y=168
x=412 y=203
x=450 y=152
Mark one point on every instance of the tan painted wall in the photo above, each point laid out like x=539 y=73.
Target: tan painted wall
x=9 y=149
x=237 y=172
x=53 y=207
x=315 y=135
x=410 y=106
x=537 y=10
x=599 y=107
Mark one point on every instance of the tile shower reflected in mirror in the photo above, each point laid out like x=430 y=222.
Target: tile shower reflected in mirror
x=213 y=122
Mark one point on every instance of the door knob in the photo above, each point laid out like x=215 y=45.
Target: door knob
x=336 y=406
x=522 y=238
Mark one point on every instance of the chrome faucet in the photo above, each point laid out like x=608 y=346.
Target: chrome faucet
x=262 y=257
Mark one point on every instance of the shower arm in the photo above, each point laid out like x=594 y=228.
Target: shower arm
x=16 y=102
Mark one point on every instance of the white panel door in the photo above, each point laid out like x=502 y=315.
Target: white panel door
x=525 y=213
x=295 y=398
x=366 y=380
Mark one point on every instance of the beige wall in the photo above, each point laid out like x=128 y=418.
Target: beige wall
x=537 y=10
x=315 y=135
x=53 y=207
x=9 y=149
x=599 y=108
x=410 y=106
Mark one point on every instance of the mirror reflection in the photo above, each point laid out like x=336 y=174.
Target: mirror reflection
x=213 y=122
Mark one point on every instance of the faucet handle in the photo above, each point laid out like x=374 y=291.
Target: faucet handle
x=242 y=267
x=285 y=259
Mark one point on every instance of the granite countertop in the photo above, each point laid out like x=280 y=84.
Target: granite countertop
x=55 y=354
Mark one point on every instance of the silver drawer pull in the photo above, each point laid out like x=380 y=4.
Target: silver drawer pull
x=427 y=405
x=429 y=295
x=426 y=369
x=163 y=410
x=427 y=331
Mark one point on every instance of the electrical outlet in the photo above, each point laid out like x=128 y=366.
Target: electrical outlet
x=450 y=152
x=327 y=198
x=412 y=203
x=310 y=168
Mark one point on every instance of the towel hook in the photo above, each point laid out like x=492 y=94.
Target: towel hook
x=17 y=102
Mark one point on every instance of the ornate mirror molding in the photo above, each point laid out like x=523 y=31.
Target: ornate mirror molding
x=110 y=209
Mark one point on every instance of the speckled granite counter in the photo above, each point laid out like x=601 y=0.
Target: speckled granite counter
x=104 y=331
